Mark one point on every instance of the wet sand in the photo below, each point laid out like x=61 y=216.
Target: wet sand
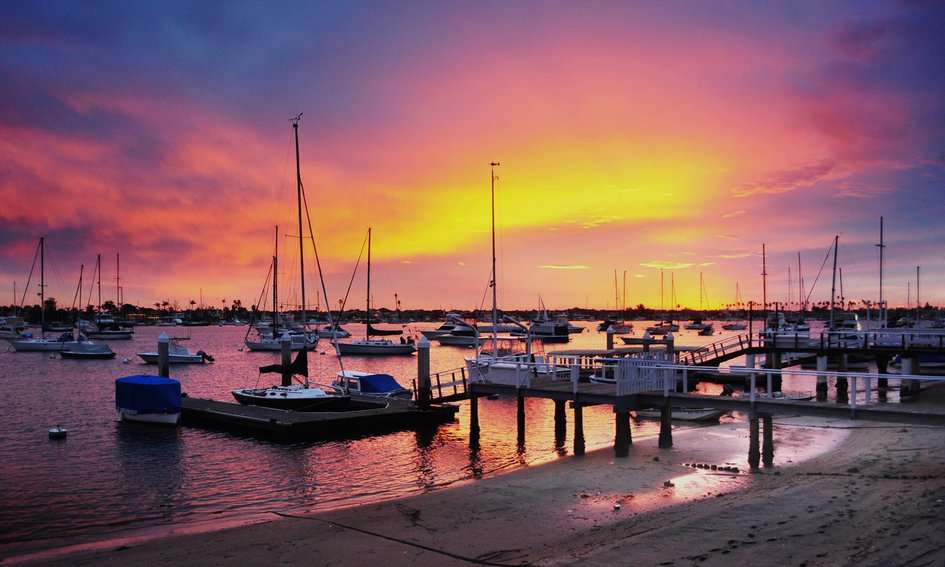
x=841 y=492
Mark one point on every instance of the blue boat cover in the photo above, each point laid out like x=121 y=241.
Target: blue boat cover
x=147 y=394
x=379 y=383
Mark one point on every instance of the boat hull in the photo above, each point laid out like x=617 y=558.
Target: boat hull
x=30 y=346
x=267 y=346
x=152 y=358
x=87 y=355
x=110 y=335
x=154 y=418
x=326 y=403
x=375 y=350
x=684 y=414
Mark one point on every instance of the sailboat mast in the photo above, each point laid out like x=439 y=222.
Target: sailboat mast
x=661 y=290
x=275 y=287
x=802 y=304
x=42 y=285
x=833 y=285
x=616 y=294
x=367 y=314
x=298 y=183
x=881 y=246
x=764 y=280
x=98 y=271
x=917 y=303
x=118 y=280
x=700 y=291
x=495 y=294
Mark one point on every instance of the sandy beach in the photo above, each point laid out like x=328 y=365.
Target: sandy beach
x=840 y=493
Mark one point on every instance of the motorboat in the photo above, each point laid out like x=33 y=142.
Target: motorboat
x=177 y=354
x=453 y=323
x=28 y=343
x=696 y=325
x=87 y=350
x=335 y=332
x=509 y=359
x=148 y=399
x=735 y=326
x=707 y=330
x=105 y=328
x=370 y=384
x=549 y=331
x=461 y=340
x=375 y=347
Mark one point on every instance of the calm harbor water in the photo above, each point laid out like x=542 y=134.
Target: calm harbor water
x=112 y=479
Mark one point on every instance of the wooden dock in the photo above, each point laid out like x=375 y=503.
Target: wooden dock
x=368 y=415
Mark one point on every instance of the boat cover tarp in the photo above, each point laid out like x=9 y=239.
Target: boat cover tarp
x=379 y=383
x=147 y=394
x=383 y=332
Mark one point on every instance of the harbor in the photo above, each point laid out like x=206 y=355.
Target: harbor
x=506 y=284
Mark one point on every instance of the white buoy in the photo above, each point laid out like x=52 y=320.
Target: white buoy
x=125 y=360
x=58 y=432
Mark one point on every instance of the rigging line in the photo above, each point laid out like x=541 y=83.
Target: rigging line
x=321 y=279
x=259 y=300
x=28 y=279
x=820 y=271
x=351 y=281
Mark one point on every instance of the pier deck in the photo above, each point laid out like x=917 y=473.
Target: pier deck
x=397 y=414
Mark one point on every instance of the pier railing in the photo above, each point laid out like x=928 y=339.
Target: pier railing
x=719 y=350
x=446 y=385
x=652 y=375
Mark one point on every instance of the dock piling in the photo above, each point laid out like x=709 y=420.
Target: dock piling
x=610 y=338
x=821 y=379
x=164 y=356
x=843 y=387
x=622 y=437
x=520 y=415
x=423 y=373
x=666 y=427
x=474 y=415
x=754 y=454
x=882 y=367
x=767 y=448
x=578 y=429
x=561 y=424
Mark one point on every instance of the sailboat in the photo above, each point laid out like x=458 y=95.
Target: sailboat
x=697 y=323
x=26 y=342
x=367 y=345
x=492 y=366
x=288 y=395
x=301 y=339
x=105 y=326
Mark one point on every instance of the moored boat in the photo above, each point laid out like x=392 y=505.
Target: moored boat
x=369 y=384
x=148 y=399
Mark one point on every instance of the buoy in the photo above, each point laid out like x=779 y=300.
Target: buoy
x=125 y=360
x=52 y=357
x=241 y=349
x=58 y=432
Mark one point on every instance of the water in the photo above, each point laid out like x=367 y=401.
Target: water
x=112 y=479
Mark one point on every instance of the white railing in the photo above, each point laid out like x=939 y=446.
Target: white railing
x=650 y=375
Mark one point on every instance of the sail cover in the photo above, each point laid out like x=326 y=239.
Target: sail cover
x=383 y=332
x=299 y=366
x=147 y=394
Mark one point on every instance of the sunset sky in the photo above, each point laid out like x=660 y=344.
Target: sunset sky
x=632 y=136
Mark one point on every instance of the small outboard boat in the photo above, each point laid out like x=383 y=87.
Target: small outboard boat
x=58 y=432
x=368 y=384
x=177 y=354
x=148 y=399
x=87 y=350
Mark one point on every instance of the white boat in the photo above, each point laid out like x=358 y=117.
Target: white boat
x=87 y=350
x=333 y=333
x=289 y=396
x=696 y=325
x=268 y=343
x=177 y=354
x=461 y=340
x=369 y=384
x=735 y=326
x=375 y=347
x=453 y=322
x=683 y=414
x=43 y=344
x=367 y=345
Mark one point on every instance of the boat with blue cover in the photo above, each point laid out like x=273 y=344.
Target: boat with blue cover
x=370 y=384
x=148 y=399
